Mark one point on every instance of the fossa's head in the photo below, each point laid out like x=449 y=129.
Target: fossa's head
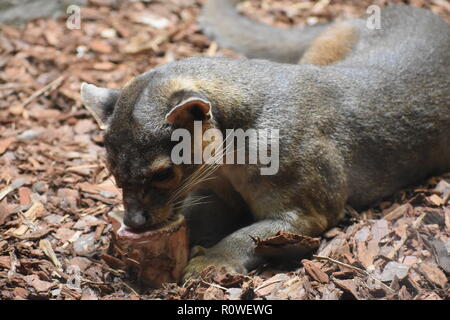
x=139 y=122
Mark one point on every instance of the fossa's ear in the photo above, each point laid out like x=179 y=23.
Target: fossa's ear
x=100 y=101
x=189 y=110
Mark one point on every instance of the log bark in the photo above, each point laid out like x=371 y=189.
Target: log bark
x=156 y=256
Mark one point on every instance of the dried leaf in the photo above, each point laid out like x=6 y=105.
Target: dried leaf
x=397 y=213
x=349 y=286
x=436 y=200
x=5 y=144
x=39 y=285
x=433 y=273
x=5 y=262
x=442 y=255
x=315 y=272
x=285 y=244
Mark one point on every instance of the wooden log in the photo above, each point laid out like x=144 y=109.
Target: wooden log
x=156 y=256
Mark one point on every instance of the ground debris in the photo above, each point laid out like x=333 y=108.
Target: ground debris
x=55 y=189
x=285 y=244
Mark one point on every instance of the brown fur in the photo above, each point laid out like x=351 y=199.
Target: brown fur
x=159 y=164
x=332 y=45
x=171 y=183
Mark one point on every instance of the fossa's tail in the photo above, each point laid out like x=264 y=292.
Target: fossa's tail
x=222 y=23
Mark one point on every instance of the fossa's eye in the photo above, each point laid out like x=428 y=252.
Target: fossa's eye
x=163 y=175
x=166 y=178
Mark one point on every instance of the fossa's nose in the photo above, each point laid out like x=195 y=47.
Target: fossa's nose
x=136 y=219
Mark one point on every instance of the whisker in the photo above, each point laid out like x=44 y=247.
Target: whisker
x=202 y=174
x=192 y=199
x=191 y=205
x=188 y=187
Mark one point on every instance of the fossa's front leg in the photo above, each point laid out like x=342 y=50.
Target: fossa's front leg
x=236 y=254
x=210 y=218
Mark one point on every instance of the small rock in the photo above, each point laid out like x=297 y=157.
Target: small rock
x=234 y=293
x=88 y=294
x=109 y=33
x=380 y=229
x=394 y=269
x=362 y=235
x=153 y=21
x=87 y=222
x=17 y=183
x=85 y=244
x=30 y=134
x=107 y=194
x=443 y=187
x=39 y=187
x=68 y=197
x=312 y=21
x=81 y=51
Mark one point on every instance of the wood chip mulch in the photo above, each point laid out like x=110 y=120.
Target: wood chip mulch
x=55 y=190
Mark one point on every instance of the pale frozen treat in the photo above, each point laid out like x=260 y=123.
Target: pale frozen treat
x=158 y=255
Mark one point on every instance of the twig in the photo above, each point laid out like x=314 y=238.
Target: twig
x=214 y=285
x=13 y=186
x=321 y=5
x=418 y=221
x=49 y=87
x=340 y=263
x=268 y=284
x=107 y=268
x=10 y=86
x=95 y=283
x=14 y=264
x=129 y=287
x=47 y=248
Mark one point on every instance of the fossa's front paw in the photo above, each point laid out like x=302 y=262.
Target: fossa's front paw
x=199 y=263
